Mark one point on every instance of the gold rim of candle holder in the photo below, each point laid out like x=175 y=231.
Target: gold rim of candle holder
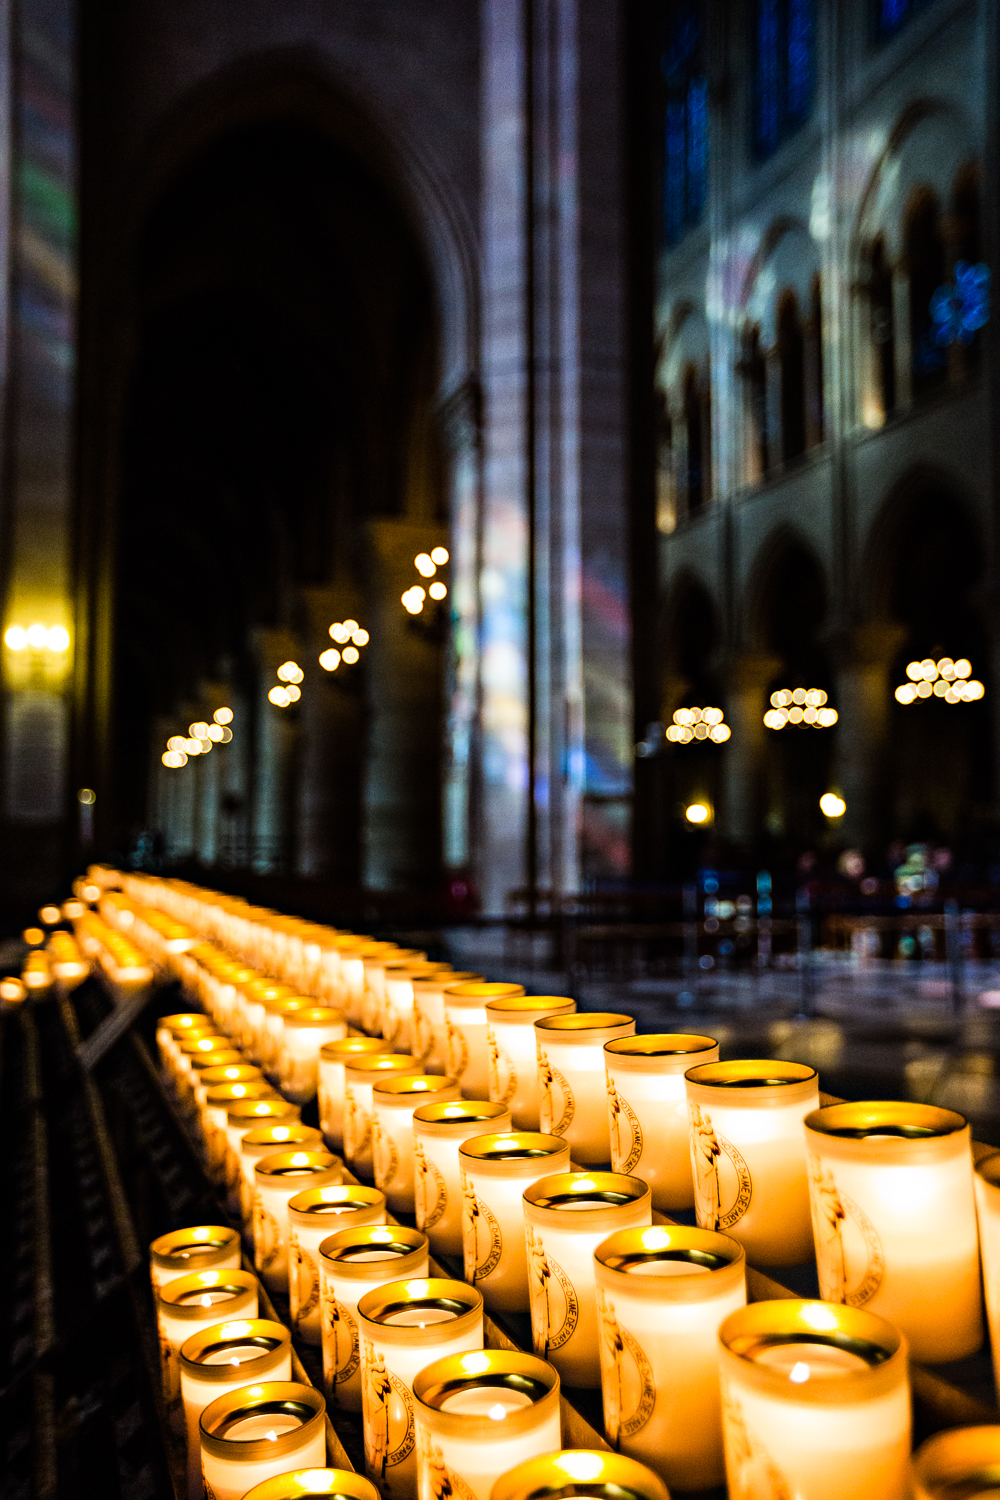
x=209 y=1061
x=311 y=1484
x=420 y=968
x=190 y=1045
x=246 y=1073
x=662 y=1052
x=430 y=1292
x=585 y=1029
x=316 y=1016
x=354 y=1046
x=525 y=1010
x=886 y=1120
x=463 y=976
x=394 y=955
x=609 y=1192
x=262 y=1398
x=501 y=1368
x=278 y=1109
x=223 y=1242
x=382 y=1062
x=770 y=1324
x=180 y=1021
x=243 y=1286
x=308 y=1206
x=988 y=1169
x=308 y=1137
x=434 y=1120
x=273 y=1340
x=969 y=1454
x=472 y=994
x=722 y=1259
x=405 y=1245
x=751 y=1083
x=582 y=1472
x=253 y=1089
x=295 y=1164
x=399 y=1093
x=488 y=1156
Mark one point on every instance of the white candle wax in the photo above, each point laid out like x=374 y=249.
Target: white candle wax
x=360 y=1074
x=748 y=1155
x=259 y=1431
x=430 y=1036
x=353 y=1262
x=438 y=1132
x=648 y=1111
x=312 y=1217
x=277 y=1179
x=398 y=1022
x=219 y=1360
x=574 y=1083
x=332 y=1059
x=266 y=1140
x=303 y=1033
x=393 y=1103
x=352 y=966
x=894 y=1214
x=496 y=1169
x=186 y=1306
x=374 y=1000
x=513 y=1054
x=465 y=1029
x=205 y=1247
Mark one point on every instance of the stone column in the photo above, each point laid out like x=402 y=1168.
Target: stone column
x=773 y=436
x=746 y=703
x=902 y=343
x=864 y=699
x=327 y=804
x=274 y=745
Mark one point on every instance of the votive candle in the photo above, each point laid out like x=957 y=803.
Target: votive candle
x=438 y=1132
x=333 y=1057
x=303 y=1033
x=267 y=1139
x=259 y=1431
x=190 y=1303
x=277 y=1179
x=204 y=1247
x=583 y=1472
x=352 y=964
x=314 y=1484
x=218 y=1102
x=371 y=1013
x=360 y=1074
x=987 y=1186
x=313 y=1216
x=648 y=1111
x=397 y=1008
x=465 y=1030
x=963 y=1464
x=353 y=1262
x=242 y=1116
x=573 y=1080
x=220 y=1359
x=169 y=1030
x=430 y=1033
x=513 y=1052
x=496 y=1169
x=394 y=1100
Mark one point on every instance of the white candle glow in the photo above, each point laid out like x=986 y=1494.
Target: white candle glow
x=513 y=1053
x=332 y=1060
x=189 y=1304
x=581 y=1472
x=241 y=1117
x=220 y=1359
x=267 y=1140
x=259 y=1431
x=393 y=1103
x=648 y=1111
x=479 y=1414
x=573 y=1080
x=963 y=1464
x=430 y=1038
x=438 y=1132
x=312 y=1217
x=218 y=1102
x=465 y=1029
x=987 y=1185
x=277 y=1179
x=496 y=1169
x=360 y=1074
x=372 y=1007
x=352 y=964
x=205 y=1247
x=405 y=1326
x=314 y=1484
x=208 y=1072
x=748 y=1155
x=169 y=1030
x=894 y=1214
x=398 y=1027
x=303 y=1033
x=353 y=1262
x=566 y=1218
x=661 y=1296
x=815 y=1403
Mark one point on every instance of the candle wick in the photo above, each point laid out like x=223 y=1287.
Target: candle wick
x=497 y=1412
x=272 y=1437
x=799 y=1373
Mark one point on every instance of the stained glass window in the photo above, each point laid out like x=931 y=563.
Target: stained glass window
x=685 y=153
x=890 y=15
x=784 y=79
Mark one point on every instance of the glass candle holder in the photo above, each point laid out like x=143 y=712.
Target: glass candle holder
x=573 y=1081
x=397 y=1008
x=748 y=1155
x=963 y=1464
x=465 y=1030
x=169 y=1030
x=648 y=1111
x=270 y=1042
x=566 y=1217
x=405 y=1326
x=260 y=1431
x=205 y=1247
x=267 y=1140
x=815 y=1403
x=661 y=1296
x=218 y=1102
x=353 y=1262
x=217 y=1072
x=312 y=1217
x=894 y=1215
x=188 y=1304
x=430 y=1042
x=333 y=1057
x=987 y=1187
x=581 y=1472
x=197 y=1044
x=220 y=1359
x=304 y=1032
x=374 y=1001
x=313 y=1484
x=256 y=997
x=496 y=1169
x=360 y=1075
x=480 y=1414
x=277 y=1179
x=513 y=1054
x=438 y=1132
x=352 y=965
x=393 y=1103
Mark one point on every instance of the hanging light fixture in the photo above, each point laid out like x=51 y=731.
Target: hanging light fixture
x=698 y=724
x=806 y=706
x=947 y=679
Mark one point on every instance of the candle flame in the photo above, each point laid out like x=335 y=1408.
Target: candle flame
x=799 y=1373
x=206 y=1301
x=498 y=1412
x=272 y=1437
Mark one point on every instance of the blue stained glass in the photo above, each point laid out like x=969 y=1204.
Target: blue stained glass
x=892 y=13
x=960 y=308
x=800 y=58
x=697 y=147
x=768 y=84
x=676 y=154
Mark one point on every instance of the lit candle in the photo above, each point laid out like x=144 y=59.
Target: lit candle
x=480 y=1414
x=661 y=1296
x=815 y=1403
x=188 y=1304
x=353 y=1262
x=313 y=1216
x=315 y=1484
x=218 y=1102
x=574 y=1082
x=513 y=1053
x=465 y=1029
x=894 y=1214
x=205 y=1247
x=215 y=1073
x=276 y=1180
x=360 y=1074
x=393 y=1103
x=566 y=1217
x=304 y=1032
x=987 y=1185
x=648 y=1111
x=259 y=1431
x=438 y=1132
x=963 y=1464
x=397 y=1008
x=581 y=1472
x=196 y=1044
x=333 y=1057
x=748 y=1155
x=220 y=1359
x=169 y=1030
x=405 y=1326
x=371 y=1012
x=241 y=1116
x=430 y=1033
x=496 y=1169
x=255 y=996
x=275 y=1010
x=266 y=1140
x=352 y=964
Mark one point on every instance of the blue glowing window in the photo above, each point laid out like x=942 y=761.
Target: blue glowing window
x=892 y=14
x=685 y=140
x=785 y=70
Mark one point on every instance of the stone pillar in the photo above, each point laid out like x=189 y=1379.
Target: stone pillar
x=902 y=343
x=274 y=745
x=327 y=807
x=864 y=699
x=746 y=703
x=209 y=777
x=461 y=424
x=234 y=786
x=773 y=437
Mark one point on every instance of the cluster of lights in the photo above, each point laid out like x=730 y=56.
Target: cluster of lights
x=947 y=679
x=199 y=740
x=38 y=637
x=698 y=724
x=800 y=706
x=832 y=806
x=426 y=564
x=350 y=637
x=286 y=690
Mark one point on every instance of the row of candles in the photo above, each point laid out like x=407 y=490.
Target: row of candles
x=789 y=1392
